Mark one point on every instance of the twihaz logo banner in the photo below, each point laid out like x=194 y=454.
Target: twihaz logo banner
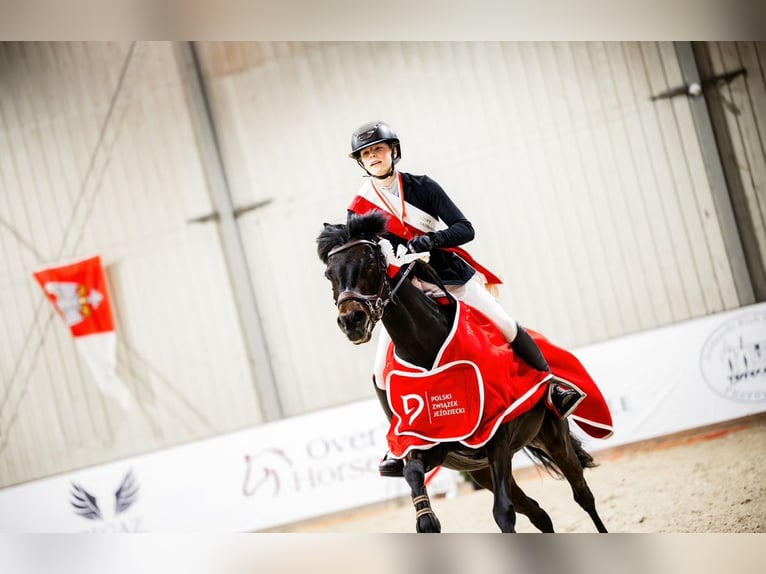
x=733 y=359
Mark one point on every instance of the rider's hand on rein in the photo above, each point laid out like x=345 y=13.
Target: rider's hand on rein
x=420 y=244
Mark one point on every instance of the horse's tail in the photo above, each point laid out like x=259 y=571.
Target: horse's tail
x=541 y=457
x=586 y=460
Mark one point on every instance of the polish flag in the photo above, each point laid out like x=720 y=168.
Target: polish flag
x=78 y=292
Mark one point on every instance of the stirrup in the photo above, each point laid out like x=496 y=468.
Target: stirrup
x=568 y=403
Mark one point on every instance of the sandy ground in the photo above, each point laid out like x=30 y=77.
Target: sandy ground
x=712 y=481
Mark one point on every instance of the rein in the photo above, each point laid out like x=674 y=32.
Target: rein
x=375 y=303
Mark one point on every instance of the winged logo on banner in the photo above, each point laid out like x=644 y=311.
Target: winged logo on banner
x=126 y=494
x=86 y=504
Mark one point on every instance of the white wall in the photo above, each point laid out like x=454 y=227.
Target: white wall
x=589 y=199
x=67 y=188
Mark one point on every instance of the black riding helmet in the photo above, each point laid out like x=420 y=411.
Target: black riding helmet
x=370 y=134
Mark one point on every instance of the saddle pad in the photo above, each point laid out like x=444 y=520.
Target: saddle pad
x=490 y=383
x=445 y=404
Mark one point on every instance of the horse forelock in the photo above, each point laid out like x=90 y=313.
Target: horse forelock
x=331 y=236
x=367 y=226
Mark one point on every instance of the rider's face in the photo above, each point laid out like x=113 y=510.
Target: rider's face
x=377 y=158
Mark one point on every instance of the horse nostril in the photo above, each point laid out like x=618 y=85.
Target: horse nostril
x=351 y=319
x=345 y=320
x=358 y=316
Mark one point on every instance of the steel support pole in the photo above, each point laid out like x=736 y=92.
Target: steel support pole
x=714 y=167
x=231 y=238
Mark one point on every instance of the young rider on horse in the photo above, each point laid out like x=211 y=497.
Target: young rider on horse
x=417 y=205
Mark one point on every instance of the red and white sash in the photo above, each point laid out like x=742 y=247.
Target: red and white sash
x=408 y=221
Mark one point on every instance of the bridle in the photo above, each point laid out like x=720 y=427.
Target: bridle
x=375 y=303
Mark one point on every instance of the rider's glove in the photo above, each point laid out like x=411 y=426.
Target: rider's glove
x=420 y=244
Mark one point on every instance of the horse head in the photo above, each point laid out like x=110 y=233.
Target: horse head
x=356 y=268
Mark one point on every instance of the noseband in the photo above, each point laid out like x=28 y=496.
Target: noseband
x=375 y=303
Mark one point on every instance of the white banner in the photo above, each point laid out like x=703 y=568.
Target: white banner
x=256 y=479
x=658 y=382
x=681 y=377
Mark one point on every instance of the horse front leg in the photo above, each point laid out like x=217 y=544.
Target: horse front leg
x=415 y=475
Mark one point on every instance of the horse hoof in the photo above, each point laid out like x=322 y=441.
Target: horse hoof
x=428 y=524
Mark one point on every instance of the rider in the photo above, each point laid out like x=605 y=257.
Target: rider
x=418 y=206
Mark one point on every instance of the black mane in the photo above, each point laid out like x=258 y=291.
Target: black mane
x=368 y=226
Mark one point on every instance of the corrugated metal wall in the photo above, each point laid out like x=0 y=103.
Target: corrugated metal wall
x=75 y=179
x=589 y=199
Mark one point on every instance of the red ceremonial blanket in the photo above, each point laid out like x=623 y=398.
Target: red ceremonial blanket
x=476 y=384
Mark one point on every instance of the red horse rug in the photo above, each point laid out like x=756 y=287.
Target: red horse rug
x=476 y=384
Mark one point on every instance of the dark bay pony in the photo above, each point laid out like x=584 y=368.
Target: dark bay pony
x=364 y=295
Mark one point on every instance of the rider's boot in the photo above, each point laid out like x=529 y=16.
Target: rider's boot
x=562 y=398
x=388 y=466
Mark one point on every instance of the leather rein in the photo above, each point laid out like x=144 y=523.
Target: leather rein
x=377 y=302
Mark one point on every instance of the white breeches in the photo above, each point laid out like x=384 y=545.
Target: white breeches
x=474 y=294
